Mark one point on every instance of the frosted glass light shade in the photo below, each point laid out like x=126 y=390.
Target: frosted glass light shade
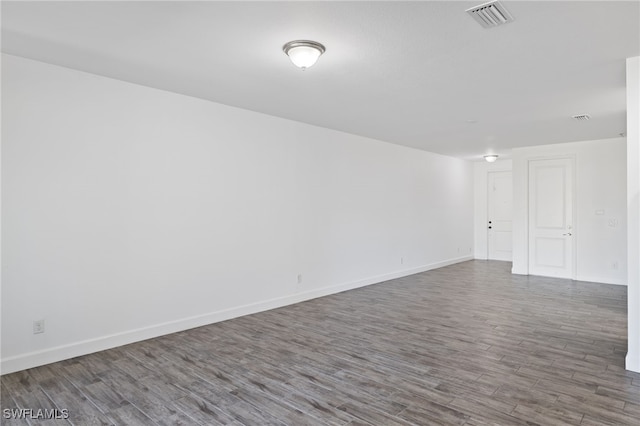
x=303 y=53
x=491 y=158
x=304 y=57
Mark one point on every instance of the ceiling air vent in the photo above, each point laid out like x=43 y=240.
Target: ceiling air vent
x=582 y=117
x=490 y=14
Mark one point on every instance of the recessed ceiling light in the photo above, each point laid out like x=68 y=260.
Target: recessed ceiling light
x=491 y=158
x=303 y=53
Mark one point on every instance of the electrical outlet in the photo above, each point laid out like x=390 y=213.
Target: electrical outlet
x=38 y=327
x=402 y=260
x=614 y=265
x=299 y=278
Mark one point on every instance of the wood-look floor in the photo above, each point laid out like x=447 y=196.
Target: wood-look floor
x=466 y=344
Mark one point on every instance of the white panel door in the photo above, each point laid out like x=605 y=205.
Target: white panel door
x=551 y=232
x=500 y=212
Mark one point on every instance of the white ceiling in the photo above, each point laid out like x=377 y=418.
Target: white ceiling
x=411 y=73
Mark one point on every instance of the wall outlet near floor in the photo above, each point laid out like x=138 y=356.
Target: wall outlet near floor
x=402 y=260
x=615 y=265
x=38 y=326
x=299 y=278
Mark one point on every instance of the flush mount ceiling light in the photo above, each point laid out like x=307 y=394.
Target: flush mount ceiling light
x=491 y=158
x=303 y=53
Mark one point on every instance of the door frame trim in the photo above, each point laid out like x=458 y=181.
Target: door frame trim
x=574 y=200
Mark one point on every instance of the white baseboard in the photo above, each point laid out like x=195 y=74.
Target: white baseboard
x=586 y=278
x=601 y=280
x=59 y=353
x=632 y=363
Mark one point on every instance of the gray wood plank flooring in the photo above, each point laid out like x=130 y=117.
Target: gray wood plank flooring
x=468 y=344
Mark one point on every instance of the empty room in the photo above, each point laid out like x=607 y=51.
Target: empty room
x=320 y=213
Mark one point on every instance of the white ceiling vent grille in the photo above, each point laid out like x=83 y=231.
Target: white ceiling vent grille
x=490 y=14
x=582 y=117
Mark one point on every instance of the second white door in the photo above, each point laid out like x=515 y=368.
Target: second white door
x=551 y=232
x=499 y=214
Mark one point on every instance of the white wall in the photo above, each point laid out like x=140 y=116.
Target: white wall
x=481 y=172
x=600 y=184
x=633 y=202
x=130 y=212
